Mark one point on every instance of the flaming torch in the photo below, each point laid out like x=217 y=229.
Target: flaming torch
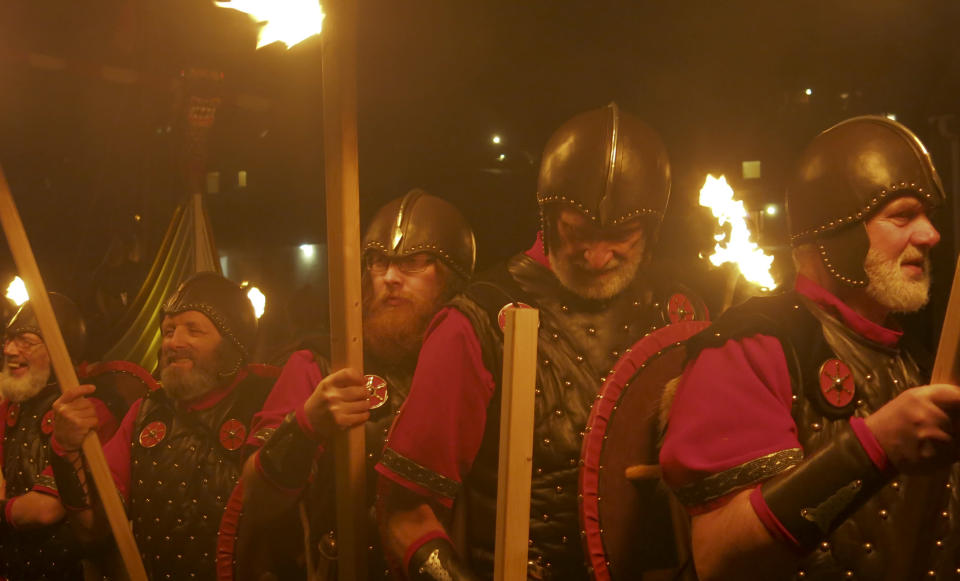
x=735 y=248
x=17 y=291
x=343 y=232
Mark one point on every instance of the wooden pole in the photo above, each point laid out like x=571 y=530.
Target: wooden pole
x=516 y=444
x=343 y=247
x=67 y=376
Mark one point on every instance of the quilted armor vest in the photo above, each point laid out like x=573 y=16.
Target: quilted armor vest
x=579 y=342
x=183 y=467
x=864 y=545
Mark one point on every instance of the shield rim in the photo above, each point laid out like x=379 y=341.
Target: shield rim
x=640 y=354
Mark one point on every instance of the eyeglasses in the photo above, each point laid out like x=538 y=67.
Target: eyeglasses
x=22 y=343
x=378 y=263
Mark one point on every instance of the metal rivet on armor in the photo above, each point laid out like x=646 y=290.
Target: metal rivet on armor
x=801 y=574
x=794 y=397
x=895 y=485
x=896 y=381
x=559 y=489
x=626 y=328
x=861 y=403
x=546 y=363
x=939 y=543
x=636 y=303
x=825 y=546
x=546 y=441
x=555 y=336
x=848 y=574
x=539 y=471
x=567 y=383
x=558 y=412
x=931 y=573
x=883 y=513
x=868 y=547
x=563 y=540
x=579 y=358
x=573 y=461
x=546 y=517
x=529 y=542
x=816 y=427
x=591 y=331
x=949 y=486
x=564 y=309
x=537 y=391
x=945 y=514
x=615 y=354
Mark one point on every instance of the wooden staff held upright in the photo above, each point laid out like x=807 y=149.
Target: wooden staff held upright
x=67 y=376
x=343 y=244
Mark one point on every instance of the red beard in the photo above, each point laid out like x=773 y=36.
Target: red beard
x=394 y=325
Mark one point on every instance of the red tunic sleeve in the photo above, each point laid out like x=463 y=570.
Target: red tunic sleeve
x=438 y=432
x=730 y=425
x=297 y=381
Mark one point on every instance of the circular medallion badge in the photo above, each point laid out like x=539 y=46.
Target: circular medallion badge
x=153 y=434
x=377 y=388
x=232 y=434
x=680 y=308
x=836 y=383
x=13 y=413
x=46 y=424
x=502 y=315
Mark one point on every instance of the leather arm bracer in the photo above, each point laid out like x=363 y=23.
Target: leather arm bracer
x=812 y=499
x=73 y=492
x=437 y=560
x=287 y=457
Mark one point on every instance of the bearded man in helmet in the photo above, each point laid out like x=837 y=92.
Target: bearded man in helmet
x=35 y=541
x=603 y=188
x=799 y=438
x=418 y=252
x=178 y=452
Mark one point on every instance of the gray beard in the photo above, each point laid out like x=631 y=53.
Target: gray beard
x=17 y=389
x=889 y=287
x=585 y=284
x=188 y=385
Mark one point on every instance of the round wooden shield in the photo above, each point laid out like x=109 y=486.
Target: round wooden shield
x=626 y=511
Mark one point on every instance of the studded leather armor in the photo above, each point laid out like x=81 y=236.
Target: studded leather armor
x=46 y=553
x=183 y=467
x=579 y=342
x=866 y=545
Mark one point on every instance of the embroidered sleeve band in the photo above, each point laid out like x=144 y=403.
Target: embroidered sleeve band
x=410 y=471
x=71 y=481
x=723 y=483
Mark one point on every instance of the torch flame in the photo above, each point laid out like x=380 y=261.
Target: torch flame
x=287 y=21
x=752 y=261
x=17 y=291
x=258 y=300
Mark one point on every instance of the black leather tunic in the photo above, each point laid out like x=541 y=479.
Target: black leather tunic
x=180 y=482
x=579 y=342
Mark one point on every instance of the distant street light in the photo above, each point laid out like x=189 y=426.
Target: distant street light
x=496 y=140
x=17 y=291
x=772 y=210
x=307 y=251
x=808 y=92
x=502 y=157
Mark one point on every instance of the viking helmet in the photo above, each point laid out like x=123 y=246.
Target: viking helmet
x=223 y=302
x=68 y=315
x=607 y=164
x=419 y=222
x=847 y=173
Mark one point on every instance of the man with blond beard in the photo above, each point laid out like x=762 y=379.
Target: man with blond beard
x=798 y=438
x=603 y=188
x=34 y=542
x=418 y=252
x=177 y=454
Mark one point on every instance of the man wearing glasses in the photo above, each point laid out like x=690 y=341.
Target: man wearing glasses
x=418 y=252
x=603 y=188
x=35 y=541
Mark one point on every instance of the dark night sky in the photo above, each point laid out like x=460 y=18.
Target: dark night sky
x=722 y=81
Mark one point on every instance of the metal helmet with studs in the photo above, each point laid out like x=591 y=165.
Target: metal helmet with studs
x=69 y=318
x=846 y=174
x=420 y=222
x=607 y=164
x=223 y=302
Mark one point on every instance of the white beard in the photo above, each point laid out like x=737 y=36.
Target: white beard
x=17 y=389
x=586 y=284
x=890 y=287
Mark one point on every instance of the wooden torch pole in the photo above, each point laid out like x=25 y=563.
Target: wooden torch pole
x=343 y=246
x=516 y=444
x=67 y=376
